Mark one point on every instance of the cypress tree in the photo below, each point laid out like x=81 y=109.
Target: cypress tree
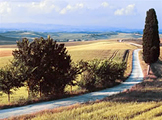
x=151 y=42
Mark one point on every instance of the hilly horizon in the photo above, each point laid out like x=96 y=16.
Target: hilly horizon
x=63 y=28
x=10 y=37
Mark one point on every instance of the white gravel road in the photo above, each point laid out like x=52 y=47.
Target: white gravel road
x=135 y=77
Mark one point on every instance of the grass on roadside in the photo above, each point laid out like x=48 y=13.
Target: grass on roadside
x=17 y=96
x=99 y=111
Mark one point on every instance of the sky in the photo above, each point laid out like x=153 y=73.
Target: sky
x=109 y=13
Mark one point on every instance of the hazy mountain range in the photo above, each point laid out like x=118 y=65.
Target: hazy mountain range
x=60 y=28
x=10 y=33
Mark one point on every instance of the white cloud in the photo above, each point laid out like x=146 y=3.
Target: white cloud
x=45 y=6
x=69 y=7
x=72 y=8
x=125 y=11
x=4 y=8
x=105 y=4
x=80 y=5
x=63 y=11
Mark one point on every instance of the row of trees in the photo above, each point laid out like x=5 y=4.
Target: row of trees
x=46 y=68
x=43 y=65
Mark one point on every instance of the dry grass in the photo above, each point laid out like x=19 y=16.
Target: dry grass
x=5 y=60
x=8 y=46
x=100 y=110
x=160 y=57
x=18 y=96
x=97 y=54
x=143 y=64
x=129 y=64
x=106 y=110
x=5 y=55
x=102 y=45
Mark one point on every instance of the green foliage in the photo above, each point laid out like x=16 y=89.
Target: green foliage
x=101 y=74
x=49 y=65
x=89 y=76
x=11 y=77
x=6 y=82
x=151 y=48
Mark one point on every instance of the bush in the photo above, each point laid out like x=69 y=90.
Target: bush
x=100 y=74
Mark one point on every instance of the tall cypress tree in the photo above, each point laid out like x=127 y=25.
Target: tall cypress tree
x=151 y=47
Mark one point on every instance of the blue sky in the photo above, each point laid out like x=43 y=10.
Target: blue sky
x=110 y=13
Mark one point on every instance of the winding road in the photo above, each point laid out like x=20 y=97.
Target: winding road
x=135 y=78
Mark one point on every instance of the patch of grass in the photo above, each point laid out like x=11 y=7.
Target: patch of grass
x=143 y=64
x=102 y=46
x=129 y=64
x=99 y=111
x=116 y=55
x=19 y=95
x=5 y=60
x=160 y=57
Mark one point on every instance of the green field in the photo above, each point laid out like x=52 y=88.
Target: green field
x=89 y=51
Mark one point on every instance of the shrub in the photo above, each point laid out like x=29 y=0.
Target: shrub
x=101 y=74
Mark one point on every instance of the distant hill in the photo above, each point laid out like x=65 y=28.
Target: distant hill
x=7 y=37
x=10 y=33
x=7 y=40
